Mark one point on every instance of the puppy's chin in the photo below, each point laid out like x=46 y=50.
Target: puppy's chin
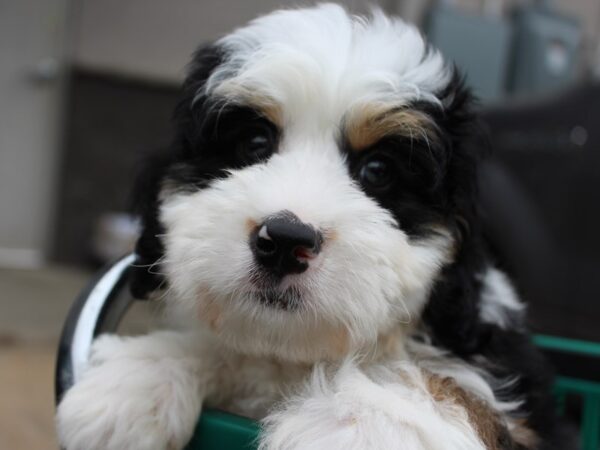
x=280 y=332
x=270 y=323
x=278 y=325
x=290 y=299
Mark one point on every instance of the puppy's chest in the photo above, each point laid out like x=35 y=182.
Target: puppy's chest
x=251 y=386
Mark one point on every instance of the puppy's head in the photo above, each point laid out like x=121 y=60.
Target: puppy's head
x=312 y=192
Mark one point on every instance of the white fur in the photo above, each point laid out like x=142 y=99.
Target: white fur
x=379 y=408
x=471 y=378
x=146 y=393
x=322 y=56
x=137 y=393
x=369 y=281
x=368 y=278
x=499 y=300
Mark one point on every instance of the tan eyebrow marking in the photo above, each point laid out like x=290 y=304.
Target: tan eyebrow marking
x=264 y=105
x=271 y=112
x=368 y=124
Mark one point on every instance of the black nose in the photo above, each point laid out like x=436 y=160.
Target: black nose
x=284 y=244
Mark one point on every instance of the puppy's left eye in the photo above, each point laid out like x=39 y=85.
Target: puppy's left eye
x=254 y=146
x=377 y=173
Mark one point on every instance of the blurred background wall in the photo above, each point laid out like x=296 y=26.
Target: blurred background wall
x=32 y=91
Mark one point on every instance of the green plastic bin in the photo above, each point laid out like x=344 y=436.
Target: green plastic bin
x=217 y=430
x=588 y=390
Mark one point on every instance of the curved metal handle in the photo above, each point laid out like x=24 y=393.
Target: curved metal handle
x=98 y=309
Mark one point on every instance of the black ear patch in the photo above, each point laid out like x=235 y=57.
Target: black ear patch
x=145 y=274
x=146 y=271
x=452 y=312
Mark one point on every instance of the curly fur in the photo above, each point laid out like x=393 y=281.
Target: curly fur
x=401 y=333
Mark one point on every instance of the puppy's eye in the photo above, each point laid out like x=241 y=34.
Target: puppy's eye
x=377 y=173
x=255 y=145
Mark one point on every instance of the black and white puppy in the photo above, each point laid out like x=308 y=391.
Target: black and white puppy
x=314 y=229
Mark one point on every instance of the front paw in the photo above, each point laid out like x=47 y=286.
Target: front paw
x=351 y=410
x=130 y=398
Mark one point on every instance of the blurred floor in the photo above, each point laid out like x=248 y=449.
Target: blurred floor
x=33 y=305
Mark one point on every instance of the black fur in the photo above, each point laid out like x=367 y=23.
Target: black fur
x=452 y=313
x=145 y=276
x=434 y=185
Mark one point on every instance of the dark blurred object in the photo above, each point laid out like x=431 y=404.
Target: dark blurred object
x=542 y=191
x=453 y=31
x=545 y=49
x=111 y=123
x=536 y=50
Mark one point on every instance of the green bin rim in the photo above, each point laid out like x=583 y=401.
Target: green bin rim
x=567 y=345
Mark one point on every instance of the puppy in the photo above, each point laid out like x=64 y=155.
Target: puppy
x=314 y=229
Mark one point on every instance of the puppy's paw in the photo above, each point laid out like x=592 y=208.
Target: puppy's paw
x=138 y=393
x=381 y=411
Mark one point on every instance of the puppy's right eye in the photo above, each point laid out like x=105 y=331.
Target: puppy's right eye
x=255 y=145
x=377 y=174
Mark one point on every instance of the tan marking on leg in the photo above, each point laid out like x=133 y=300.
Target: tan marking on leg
x=487 y=423
x=523 y=435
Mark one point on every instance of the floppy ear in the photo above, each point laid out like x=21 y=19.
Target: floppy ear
x=467 y=147
x=146 y=276
x=145 y=273
x=453 y=308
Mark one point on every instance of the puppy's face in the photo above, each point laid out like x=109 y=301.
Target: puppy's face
x=309 y=200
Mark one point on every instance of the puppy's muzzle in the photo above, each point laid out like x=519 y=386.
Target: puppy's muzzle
x=284 y=245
